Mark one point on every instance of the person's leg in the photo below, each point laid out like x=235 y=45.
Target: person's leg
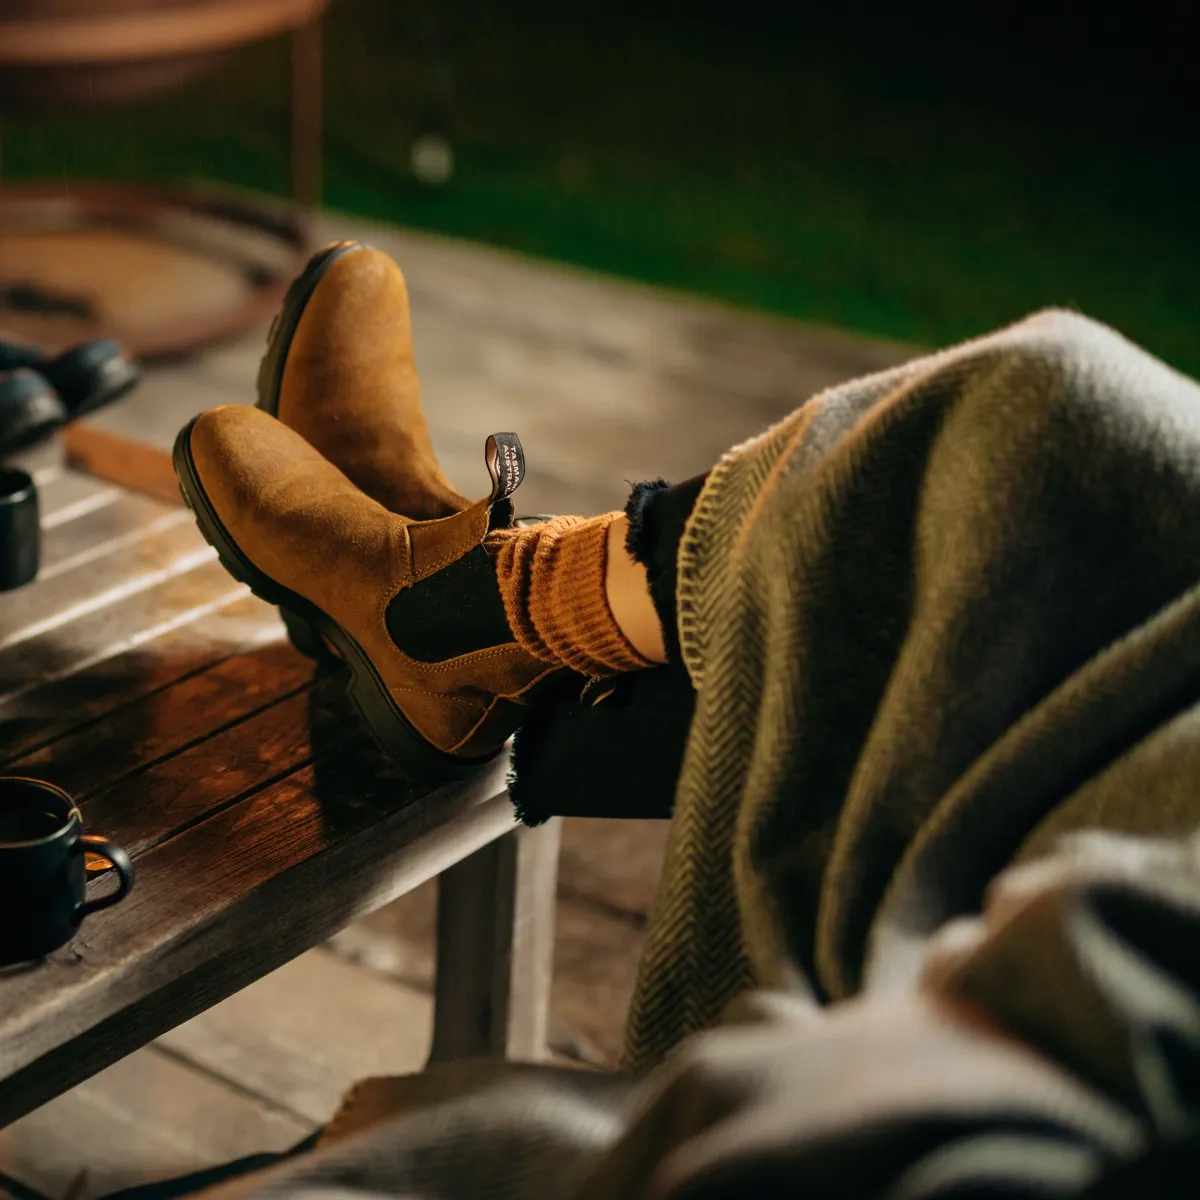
x=450 y=628
x=559 y=581
x=581 y=592
x=616 y=751
x=657 y=514
x=627 y=588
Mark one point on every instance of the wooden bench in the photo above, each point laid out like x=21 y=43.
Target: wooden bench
x=139 y=676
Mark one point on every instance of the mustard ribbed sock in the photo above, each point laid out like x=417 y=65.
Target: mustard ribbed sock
x=552 y=579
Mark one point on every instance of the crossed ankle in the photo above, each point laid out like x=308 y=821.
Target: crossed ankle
x=552 y=578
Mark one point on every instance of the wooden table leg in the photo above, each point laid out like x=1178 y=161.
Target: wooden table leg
x=495 y=948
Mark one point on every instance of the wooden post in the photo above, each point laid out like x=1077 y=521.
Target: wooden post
x=495 y=948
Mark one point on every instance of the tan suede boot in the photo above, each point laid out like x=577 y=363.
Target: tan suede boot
x=412 y=607
x=339 y=370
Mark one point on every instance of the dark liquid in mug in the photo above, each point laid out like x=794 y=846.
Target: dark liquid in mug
x=27 y=813
x=20 y=824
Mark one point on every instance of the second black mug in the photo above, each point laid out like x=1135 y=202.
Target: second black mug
x=20 y=535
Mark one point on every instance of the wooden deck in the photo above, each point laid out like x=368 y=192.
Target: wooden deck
x=606 y=383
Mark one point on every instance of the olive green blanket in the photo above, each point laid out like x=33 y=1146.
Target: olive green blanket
x=933 y=617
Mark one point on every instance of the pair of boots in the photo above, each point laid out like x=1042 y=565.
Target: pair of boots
x=327 y=500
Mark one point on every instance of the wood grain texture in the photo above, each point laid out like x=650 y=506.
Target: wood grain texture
x=43 y=461
x=595 y=967
x=465 y=288
x=65 y=494
x=141 y=737
x=605 y=381
x=607 y=871
x=167 y=397
x=153 y=559
x=98 y=532
x=659 y=384
x=185 y=786
x=613 y=866
x=57 y=682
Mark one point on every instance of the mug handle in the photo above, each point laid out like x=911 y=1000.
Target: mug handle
x=122 y=864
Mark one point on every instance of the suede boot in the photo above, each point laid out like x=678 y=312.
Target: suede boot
x=412 y=607
x=339 y=370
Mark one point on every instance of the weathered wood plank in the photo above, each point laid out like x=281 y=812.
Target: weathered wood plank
x=597 y=936
x=588 y=424
x=605 y=382
x=102 y=531
x=43 y=461
x=140 y=738
x=660 y=384
x=305 y=1033
x=602 y=317
x=399 y=941
x=65 y=677
x=225 y=901
x=130 y=569
x=129 y=463
x=182 y=786
x=64 y=495
x=144 y=1119
x=62 y=647
x=595 y=967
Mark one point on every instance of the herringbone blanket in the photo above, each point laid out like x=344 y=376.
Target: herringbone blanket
x=933 y=617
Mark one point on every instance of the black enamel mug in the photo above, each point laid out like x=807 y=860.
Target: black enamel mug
x=43 y=874
x=20 y=535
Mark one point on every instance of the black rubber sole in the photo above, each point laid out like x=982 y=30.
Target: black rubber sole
x=301 y=633
x=393 y=732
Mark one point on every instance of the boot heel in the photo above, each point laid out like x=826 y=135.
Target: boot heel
x=306 y=639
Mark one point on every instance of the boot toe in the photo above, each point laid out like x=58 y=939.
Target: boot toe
x=240 y=454
x=291 y=514
x=302 y=536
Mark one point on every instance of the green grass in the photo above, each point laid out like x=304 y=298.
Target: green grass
x=915 y=203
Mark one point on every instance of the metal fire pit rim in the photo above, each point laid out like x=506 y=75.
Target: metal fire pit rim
x=146 y=211
x=153 y=33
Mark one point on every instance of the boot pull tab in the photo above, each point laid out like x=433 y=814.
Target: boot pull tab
x=505 y=463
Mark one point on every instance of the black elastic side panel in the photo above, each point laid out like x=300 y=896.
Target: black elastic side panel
x=451 y=613
x=500 y=515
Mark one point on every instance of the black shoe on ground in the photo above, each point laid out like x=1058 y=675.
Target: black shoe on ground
x=30 y=409
x=87 y=376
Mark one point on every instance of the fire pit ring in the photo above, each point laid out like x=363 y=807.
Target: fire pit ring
x=161 y=270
